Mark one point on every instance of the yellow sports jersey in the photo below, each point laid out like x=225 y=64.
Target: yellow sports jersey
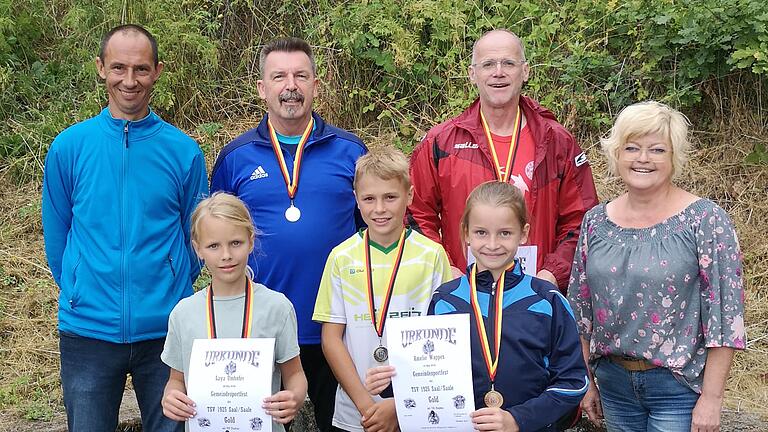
x=343 y=299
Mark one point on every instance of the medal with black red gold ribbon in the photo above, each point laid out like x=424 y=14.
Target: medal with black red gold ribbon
x=492 y=398
x=247 y=312
x=380 y=354
x=503 y=176
x=292 y=213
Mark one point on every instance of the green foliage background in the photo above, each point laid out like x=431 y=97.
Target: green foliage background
x=399 y=65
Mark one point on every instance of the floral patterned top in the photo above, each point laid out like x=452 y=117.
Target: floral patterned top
x=664 y=293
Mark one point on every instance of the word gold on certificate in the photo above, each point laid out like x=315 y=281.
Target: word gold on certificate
x=228 y=380
x=433 y=380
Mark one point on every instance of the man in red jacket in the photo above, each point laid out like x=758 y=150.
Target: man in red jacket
x=504 y=136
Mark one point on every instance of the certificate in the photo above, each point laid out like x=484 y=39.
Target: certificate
x=433 y=380
x=228 y=380
x=525 y=254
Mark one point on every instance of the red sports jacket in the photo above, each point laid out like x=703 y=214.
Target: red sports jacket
x=455 y=157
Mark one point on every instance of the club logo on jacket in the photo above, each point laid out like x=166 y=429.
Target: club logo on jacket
x=518 y=181
x=580 y=159
x=259 y=173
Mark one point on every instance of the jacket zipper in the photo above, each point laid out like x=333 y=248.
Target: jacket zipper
x=123 y=266
x=170 y=263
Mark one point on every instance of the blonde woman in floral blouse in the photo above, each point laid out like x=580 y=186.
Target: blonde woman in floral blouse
x=656 y=286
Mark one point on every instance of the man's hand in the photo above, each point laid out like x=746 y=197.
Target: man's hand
x=282 y=406
x=547 y=276
x=381 y=417
x=177 y=406
x=378 y=378
x=494 y=419
x=591 y=405
x=706 y=414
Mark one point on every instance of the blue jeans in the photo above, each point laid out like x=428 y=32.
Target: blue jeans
x=93 y=375
x=644 y=401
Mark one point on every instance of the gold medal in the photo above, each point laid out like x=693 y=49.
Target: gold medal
x=493 y=399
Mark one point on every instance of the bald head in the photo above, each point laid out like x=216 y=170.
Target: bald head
x=498 y=37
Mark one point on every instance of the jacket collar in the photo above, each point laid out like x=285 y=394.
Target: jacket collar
x=537 y=118
x=137 y=129
x=470 y=118
x=485 y=279
x=321 y=131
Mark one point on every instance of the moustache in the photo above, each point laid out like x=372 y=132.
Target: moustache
x=291 y=96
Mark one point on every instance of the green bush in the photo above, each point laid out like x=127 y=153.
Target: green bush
x=398 y=66
x=588 y=58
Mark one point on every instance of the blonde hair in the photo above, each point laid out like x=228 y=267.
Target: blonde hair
x=385 y=162
x=645 y=118
x=223 y=206
x=495 y=194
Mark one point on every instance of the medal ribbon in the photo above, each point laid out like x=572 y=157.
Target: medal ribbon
x=504 y=177
x=291 y=182
x=491 y=362
x=247 y=312
x=378 y=325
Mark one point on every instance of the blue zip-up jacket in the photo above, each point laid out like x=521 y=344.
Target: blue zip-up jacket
x=291 y=255
x=541 y=372
x=117 y=198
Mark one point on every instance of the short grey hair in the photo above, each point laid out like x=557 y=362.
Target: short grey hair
x=288 y=44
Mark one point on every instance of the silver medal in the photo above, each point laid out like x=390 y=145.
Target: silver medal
x=380 y=354
x=292 y=213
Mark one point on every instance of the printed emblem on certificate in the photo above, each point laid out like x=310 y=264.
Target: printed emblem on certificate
x=433 y=384
x=228 y=380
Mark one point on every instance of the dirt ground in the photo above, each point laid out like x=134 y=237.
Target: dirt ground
x=130 y=421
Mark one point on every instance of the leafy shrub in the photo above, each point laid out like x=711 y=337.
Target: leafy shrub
x=397 y=65
x=588 y=59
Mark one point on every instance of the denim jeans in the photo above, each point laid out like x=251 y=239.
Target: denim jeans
x=93 y=375
x=645 y=401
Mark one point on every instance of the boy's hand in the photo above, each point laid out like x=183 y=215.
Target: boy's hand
x=177 y=406
x=282 y=406
x=381 y=417
x=378 y=378
x=494 y=419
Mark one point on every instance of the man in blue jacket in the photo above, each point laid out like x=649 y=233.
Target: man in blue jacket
x=295 y=172
x=118 y=192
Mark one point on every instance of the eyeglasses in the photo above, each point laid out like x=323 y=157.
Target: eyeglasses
x=633 y=152
x=506 y=64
